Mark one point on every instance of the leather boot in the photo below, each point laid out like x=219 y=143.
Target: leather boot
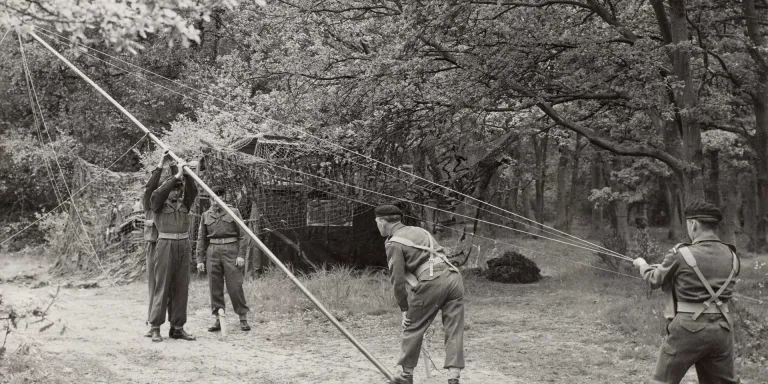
x=453 y=381
x=155 y=332
x=149 y=333
x=402 y=378
x=181 y=334
x=216 y=327
x=244 y=325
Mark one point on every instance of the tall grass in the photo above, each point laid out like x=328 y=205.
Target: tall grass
x=342 y=290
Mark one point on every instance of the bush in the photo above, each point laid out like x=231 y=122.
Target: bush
x=512 y=267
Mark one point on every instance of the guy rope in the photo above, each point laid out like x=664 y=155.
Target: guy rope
x=226 y=208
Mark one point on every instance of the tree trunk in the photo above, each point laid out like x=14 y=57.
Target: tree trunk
x=597 y=183
x=619 y=217
x=562 y=191
x=672 y=195
x=748 y=207
x=760 y=105
x=731 y=202
x=712 y=191
x=525 y=195
x=540 y=149
x=572 y=197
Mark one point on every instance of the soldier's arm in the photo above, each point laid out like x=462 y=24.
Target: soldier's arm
x=396 y=261
x=202 y=241
x=151 y=186
x=659 y=275
x=241 y=235
x=190 y=191
x=160 y=195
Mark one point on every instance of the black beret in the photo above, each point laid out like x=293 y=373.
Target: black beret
x=703 y=211
x=387 y=210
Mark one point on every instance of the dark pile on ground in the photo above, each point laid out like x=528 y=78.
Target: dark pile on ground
x=512 y=268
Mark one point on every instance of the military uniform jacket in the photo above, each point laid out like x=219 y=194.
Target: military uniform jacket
x=219 y=224
x=402 y=259
x=715 y=261
x=173 y=216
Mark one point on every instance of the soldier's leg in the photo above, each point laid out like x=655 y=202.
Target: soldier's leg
x=234 y=279
x=718 y=367
x=679 y=351
x=215 y=278
x=163 y=275
x=180 y=286
x=150 y=275
x=422 y=309
x=453 y=321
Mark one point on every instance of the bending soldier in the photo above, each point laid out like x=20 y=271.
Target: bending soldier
x=171 y=207
x=221 y=244
x=150 y=232
x=415 y=259
x=699 y=279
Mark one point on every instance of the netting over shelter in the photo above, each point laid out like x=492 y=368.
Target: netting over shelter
x=102 y=224
x=299 y=198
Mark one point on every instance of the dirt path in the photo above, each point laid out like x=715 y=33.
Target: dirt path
x=519 y=338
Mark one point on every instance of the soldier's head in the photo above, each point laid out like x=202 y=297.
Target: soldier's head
x=177 y=191
x=701 y=217
x=219 y=191
x=387 y=216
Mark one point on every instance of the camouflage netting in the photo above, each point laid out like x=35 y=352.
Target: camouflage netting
x=101 y=226
x=512 y=268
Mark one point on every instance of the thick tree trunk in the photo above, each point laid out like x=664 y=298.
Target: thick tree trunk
x=760 y=105
x=561 y=220
x=748 y=207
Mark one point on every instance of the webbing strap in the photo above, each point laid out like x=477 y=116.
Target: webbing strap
x=410 y=278
x=714 y=296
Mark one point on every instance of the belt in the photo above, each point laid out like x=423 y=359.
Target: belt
x=222 y=240
x=696 y=307
x=438 y=265
x=172 y=236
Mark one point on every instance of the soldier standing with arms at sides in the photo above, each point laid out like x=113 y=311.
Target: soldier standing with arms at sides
x=222 y=243
x=171 y=207
x=415 y=259
x=150 y=232
x=699 y=279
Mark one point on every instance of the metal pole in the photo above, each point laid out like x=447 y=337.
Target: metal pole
x=239 y=222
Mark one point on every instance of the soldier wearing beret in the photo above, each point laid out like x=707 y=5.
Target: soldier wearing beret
x=699 y=279
x=171 y=204
x=417 y=262
x=221 y=243
x=150 y=232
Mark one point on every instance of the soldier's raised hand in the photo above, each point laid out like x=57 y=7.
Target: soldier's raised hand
x=239 y=261
x=639 y=262
x=163 y=157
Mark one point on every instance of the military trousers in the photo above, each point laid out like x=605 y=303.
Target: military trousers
x=706 y=343
x=220 y=260
x=445 y=294
x=171 y=290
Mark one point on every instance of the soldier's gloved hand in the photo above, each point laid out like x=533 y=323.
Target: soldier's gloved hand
x=406 y=321
x=200 y=267
x=639 y=262
x=239 y=261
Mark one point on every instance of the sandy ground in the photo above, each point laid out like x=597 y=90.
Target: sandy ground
x=96 y=337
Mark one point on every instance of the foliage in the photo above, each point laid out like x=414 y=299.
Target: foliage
x=646 y=247
x=614 y=241
x=512 y=267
